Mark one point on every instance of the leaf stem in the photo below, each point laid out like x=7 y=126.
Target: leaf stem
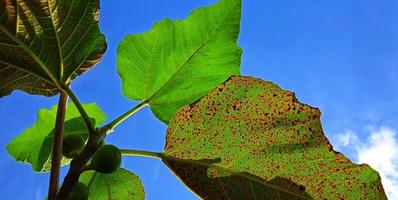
x=112 y=125
x=166 y=158
x=142 y=153
x=57 y=145
x=80 y=108
x=161 y=156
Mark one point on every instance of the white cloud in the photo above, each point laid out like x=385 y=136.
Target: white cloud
x=380 y=151
x=347 y=138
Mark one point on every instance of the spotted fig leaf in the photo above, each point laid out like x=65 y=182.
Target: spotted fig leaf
x=259 y=138
x=226 y=187
x=119 y=185
x=47 y=43
x=34 y=145
x=178 y=62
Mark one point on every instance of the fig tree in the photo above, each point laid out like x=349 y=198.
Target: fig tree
x=106 y=159
x=79 y=192
x=72 y=145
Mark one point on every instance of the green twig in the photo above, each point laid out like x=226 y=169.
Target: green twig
x=112 y=125
x=80 y=108
x=141 y=153
x=163 y=156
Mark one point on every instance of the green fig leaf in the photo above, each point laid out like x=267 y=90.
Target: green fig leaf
x=34 y=145
x=119 y=185
x=178 y=62
x=250 y=139
x=44 y=44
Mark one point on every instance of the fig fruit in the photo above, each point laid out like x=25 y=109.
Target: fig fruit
x=72 y=145
x=106 y=159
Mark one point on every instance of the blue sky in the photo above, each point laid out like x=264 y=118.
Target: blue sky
x=339 y=56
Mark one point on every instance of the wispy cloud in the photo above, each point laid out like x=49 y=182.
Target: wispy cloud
x=347 y=138
x=379 y=150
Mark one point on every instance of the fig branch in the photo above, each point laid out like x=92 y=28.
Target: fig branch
x=77 y=164
x=57 y=146
x=91 y=149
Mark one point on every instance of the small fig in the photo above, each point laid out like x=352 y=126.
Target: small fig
x=106 y=159
x=79 y=192
x=72 y=145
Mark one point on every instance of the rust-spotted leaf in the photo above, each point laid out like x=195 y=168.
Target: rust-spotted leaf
x=47 y=43
x=249 y=137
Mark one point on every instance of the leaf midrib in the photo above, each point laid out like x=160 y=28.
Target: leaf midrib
x=176 y=73
x=193 y=54
x=44 y=67
x=32 y=55
x=61 y=61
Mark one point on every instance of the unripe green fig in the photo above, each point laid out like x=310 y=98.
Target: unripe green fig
x=79 y=192
x=106 y=159
x=72 y=145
